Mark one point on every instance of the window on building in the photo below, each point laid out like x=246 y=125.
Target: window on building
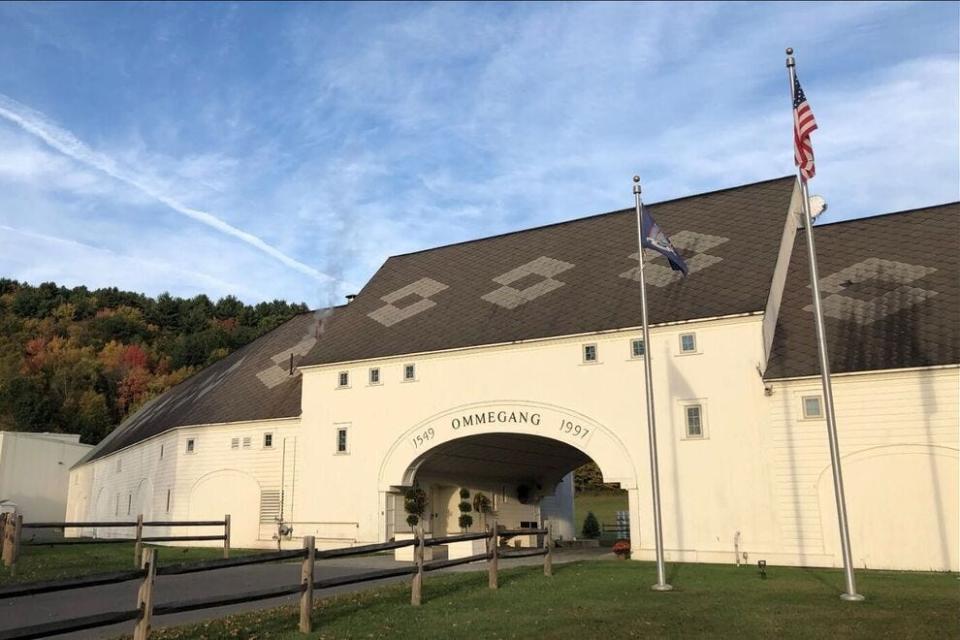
x=812 y=407
x=119 y=465
x=343 y=379
x=694 y=418
x=637 y=348
x=409 y=372
x=191 y=445
x=342 y=440
x=688 y=343
x=589 y=353
x=246 y=442
x=168 y=500
x=116 y=506
x=234 y=443
x=129 y=502
x=161 y=452
x=375 y=375
x=268 y=441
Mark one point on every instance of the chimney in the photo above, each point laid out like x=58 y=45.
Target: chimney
x=351 y=297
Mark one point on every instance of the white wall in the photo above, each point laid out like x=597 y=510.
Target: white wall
x=204 y=485
x=34 y=470
x=898 y=436
x=550 y=377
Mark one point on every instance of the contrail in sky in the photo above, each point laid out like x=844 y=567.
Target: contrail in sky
x=68 y=144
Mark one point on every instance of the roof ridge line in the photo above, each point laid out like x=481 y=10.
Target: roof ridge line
x=588 y=217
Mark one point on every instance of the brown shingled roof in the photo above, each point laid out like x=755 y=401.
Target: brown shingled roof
x=252 y=383
x=567 y=278
x=891 y=295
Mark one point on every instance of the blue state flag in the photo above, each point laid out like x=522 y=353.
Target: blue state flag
x=654 y=238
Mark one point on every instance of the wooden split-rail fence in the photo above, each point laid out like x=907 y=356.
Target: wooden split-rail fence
x=12 y=527
x=145 y=610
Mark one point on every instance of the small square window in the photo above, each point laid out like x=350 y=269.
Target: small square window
x=375 y=375
x=234 y=443
x=688 y=343
x=342 y=440
x=343 y=379
x=191 y=445
x=637 y=348
x=694 y=417
x=268 y=441
x=589 y=353
x=409 y=372
x=812 y=408
x=246 y=442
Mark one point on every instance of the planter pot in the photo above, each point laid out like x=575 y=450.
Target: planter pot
x=623 y=556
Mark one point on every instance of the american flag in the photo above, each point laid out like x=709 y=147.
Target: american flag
x=803 y=125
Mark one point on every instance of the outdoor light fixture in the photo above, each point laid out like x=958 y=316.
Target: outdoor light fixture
x=762 y=565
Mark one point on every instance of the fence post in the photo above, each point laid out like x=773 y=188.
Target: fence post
x=145 y=595
x=226 y=536
x=306 y=579
x=138 y=547
x=548 y=558
x=6 y=532
x=17 y=533
x=492 y=563
x=416 y=587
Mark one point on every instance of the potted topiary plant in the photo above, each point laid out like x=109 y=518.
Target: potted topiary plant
x=414 y=503
x=465 y=520
x=621 y=548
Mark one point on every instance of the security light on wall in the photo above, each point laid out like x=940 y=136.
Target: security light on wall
x=817 y=206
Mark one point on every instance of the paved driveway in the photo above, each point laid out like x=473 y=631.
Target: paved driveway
x=61 y=605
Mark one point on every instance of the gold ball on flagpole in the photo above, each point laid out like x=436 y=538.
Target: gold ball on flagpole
x=636 y=178
x=789 y=51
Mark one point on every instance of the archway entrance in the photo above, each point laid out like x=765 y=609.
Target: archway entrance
x=520 y=454
x=527 y=479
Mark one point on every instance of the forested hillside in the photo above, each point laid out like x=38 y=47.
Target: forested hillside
x=80 y=361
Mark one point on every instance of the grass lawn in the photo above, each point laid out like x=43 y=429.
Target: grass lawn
x=604 y=505
x=611 y=600
x=57 y=562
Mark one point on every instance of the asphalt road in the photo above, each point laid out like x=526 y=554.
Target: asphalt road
x=16 y=612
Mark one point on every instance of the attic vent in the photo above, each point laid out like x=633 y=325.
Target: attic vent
x=269 y=506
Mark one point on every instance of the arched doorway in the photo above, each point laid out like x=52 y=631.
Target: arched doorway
x=520 y=454
x=228 y=491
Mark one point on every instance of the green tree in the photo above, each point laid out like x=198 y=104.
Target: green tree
x=591 y=527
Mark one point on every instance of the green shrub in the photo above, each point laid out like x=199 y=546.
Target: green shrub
x=465 y=520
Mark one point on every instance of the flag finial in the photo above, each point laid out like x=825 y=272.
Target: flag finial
x=636 y=184
x=789 y=51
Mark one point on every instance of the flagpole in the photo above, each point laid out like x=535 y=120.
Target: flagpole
x=651 y=419
x=851 y=593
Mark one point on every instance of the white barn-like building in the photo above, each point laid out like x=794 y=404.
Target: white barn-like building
x=502 y=364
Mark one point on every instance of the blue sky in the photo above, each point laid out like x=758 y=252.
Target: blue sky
x=285 y=150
